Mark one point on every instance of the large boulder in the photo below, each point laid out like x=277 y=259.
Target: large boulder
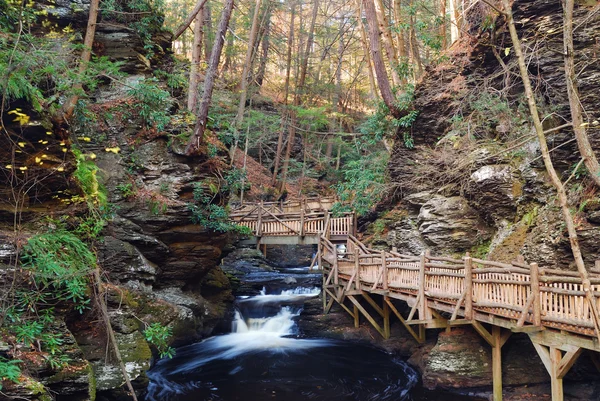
x=451 y=225
x=495 y=190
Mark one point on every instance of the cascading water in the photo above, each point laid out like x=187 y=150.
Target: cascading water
x=262 y=360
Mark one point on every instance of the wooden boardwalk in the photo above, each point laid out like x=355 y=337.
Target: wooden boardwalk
x=497 y=299
x=294 y=222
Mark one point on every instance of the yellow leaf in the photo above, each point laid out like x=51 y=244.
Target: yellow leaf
x=44 y=156
x=114 y=150
x=22 y=144
x=92 y=156
x=507 y=51
x=62 y=144
x=44 y=142
x=48 y=132
x=64 y=150
x=38 y=159
x=9 y=166
x=584 y=124
x=23 y=168
x=60 y=169
x=86 y=139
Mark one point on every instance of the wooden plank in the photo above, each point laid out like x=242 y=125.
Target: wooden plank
x=372 y=302
x=567 y=361
x=484 y=333
x=430 y=323
x=367 y=315
x=420 y=339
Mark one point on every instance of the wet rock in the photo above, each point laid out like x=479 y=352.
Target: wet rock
x=406 y=237
x=459 y=359
x=451 y=225
x=495 y=191
x=290 y=255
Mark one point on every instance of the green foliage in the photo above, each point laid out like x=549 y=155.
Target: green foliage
x=159 y=335
x=212 y=216
x=363 y=184
x=86 y=175
x=152 y=104
x=60 y=263
x=126 y=189
x=9 y=370
x=481 y=250
x=145 y=17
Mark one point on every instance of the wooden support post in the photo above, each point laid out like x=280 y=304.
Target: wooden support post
x=264 y=250
x=356 y=315
x=468 y=288
x=557 y=365
x=420 y=338
x=354 y=224
x=535 y=292
x=386 y=320
x=497 y=363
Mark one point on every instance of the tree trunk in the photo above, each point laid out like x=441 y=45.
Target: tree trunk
x=189 y=19
x=414 y=45
x=443 y=25
x=365 y=43
x=262 y=66
x=195 y=64
x=560 y=189
x=208 y=33
x=229 y=49
x=286 y=92
x=402 y=52
x=306 y=55
x=244 y=83
x=388 y=42
x=454 y=21
x=382 y=77
x=209 y=82
x=86 y=54
x=583 y=143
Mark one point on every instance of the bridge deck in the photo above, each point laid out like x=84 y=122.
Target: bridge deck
x=549 y=305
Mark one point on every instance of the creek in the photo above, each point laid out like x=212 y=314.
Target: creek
x=262 y=358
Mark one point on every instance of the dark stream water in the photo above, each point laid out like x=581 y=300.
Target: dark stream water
x=261 y=360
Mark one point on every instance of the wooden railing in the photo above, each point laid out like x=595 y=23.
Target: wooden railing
x=476 y=289
x=290 y=206
x=268 y=221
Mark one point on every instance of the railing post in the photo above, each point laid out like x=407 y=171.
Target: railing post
x=357 y=269
x=423 y=312
x=259 y=221
x=336 y=279
x=302 y=222
x=384 y=275
x=468 y=288
x=535 y=291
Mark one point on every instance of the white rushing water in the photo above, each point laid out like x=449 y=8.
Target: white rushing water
x=261 y=359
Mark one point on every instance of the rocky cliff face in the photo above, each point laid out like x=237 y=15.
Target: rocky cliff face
x=474 y=181
x=158 y=265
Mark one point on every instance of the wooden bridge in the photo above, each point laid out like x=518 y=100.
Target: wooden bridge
x=555 y=308
x=294 y=222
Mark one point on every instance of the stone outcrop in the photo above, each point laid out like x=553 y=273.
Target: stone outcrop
x=451 y=224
